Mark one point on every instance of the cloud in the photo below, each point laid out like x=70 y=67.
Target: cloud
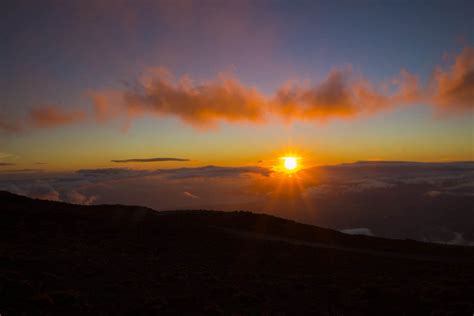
x=76 y=197
x=331 y=98
x=107 y=104
x=211 y=172
x=150 y=160
x=454 y=86
x=4 y=155
x=369 y=184
x=357 y=231
x=23 y=170
x=343 y=95
x=44 y=191
x=52 y=116
x=318 y=191
x=108 y=172
x=434 y=193
x=39 y=190
x=3 y=164
x=202 y=105
x=10 y=125
x=445 y=236
x=458 y=240
x=190 y=195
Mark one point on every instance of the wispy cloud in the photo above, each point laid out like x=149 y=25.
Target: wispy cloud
x=149 y=159
x=23 y=170
x=52 y=116
x=190 y=195
x=10 y=125
x=3 y=164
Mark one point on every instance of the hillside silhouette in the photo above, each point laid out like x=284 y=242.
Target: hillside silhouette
x=59 y=258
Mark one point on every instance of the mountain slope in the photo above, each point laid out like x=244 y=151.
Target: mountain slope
x=57 y=258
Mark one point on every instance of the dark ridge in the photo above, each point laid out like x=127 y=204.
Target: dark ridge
x=59 y=258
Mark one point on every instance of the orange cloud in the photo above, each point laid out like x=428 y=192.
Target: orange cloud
x=453 y=88
x=332 y=98
x=51 y=116
x=342 y=95
x=202 y=105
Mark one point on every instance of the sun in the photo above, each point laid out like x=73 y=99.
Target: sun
x=290 y=163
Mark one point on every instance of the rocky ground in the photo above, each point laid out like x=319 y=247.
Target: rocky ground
x=58 y=258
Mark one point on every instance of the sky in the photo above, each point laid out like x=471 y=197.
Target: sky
x=234 y=83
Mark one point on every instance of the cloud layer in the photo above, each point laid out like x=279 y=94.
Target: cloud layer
x=425 y=201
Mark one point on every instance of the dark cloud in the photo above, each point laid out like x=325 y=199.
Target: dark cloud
x=150 y=160
x=2 y=164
